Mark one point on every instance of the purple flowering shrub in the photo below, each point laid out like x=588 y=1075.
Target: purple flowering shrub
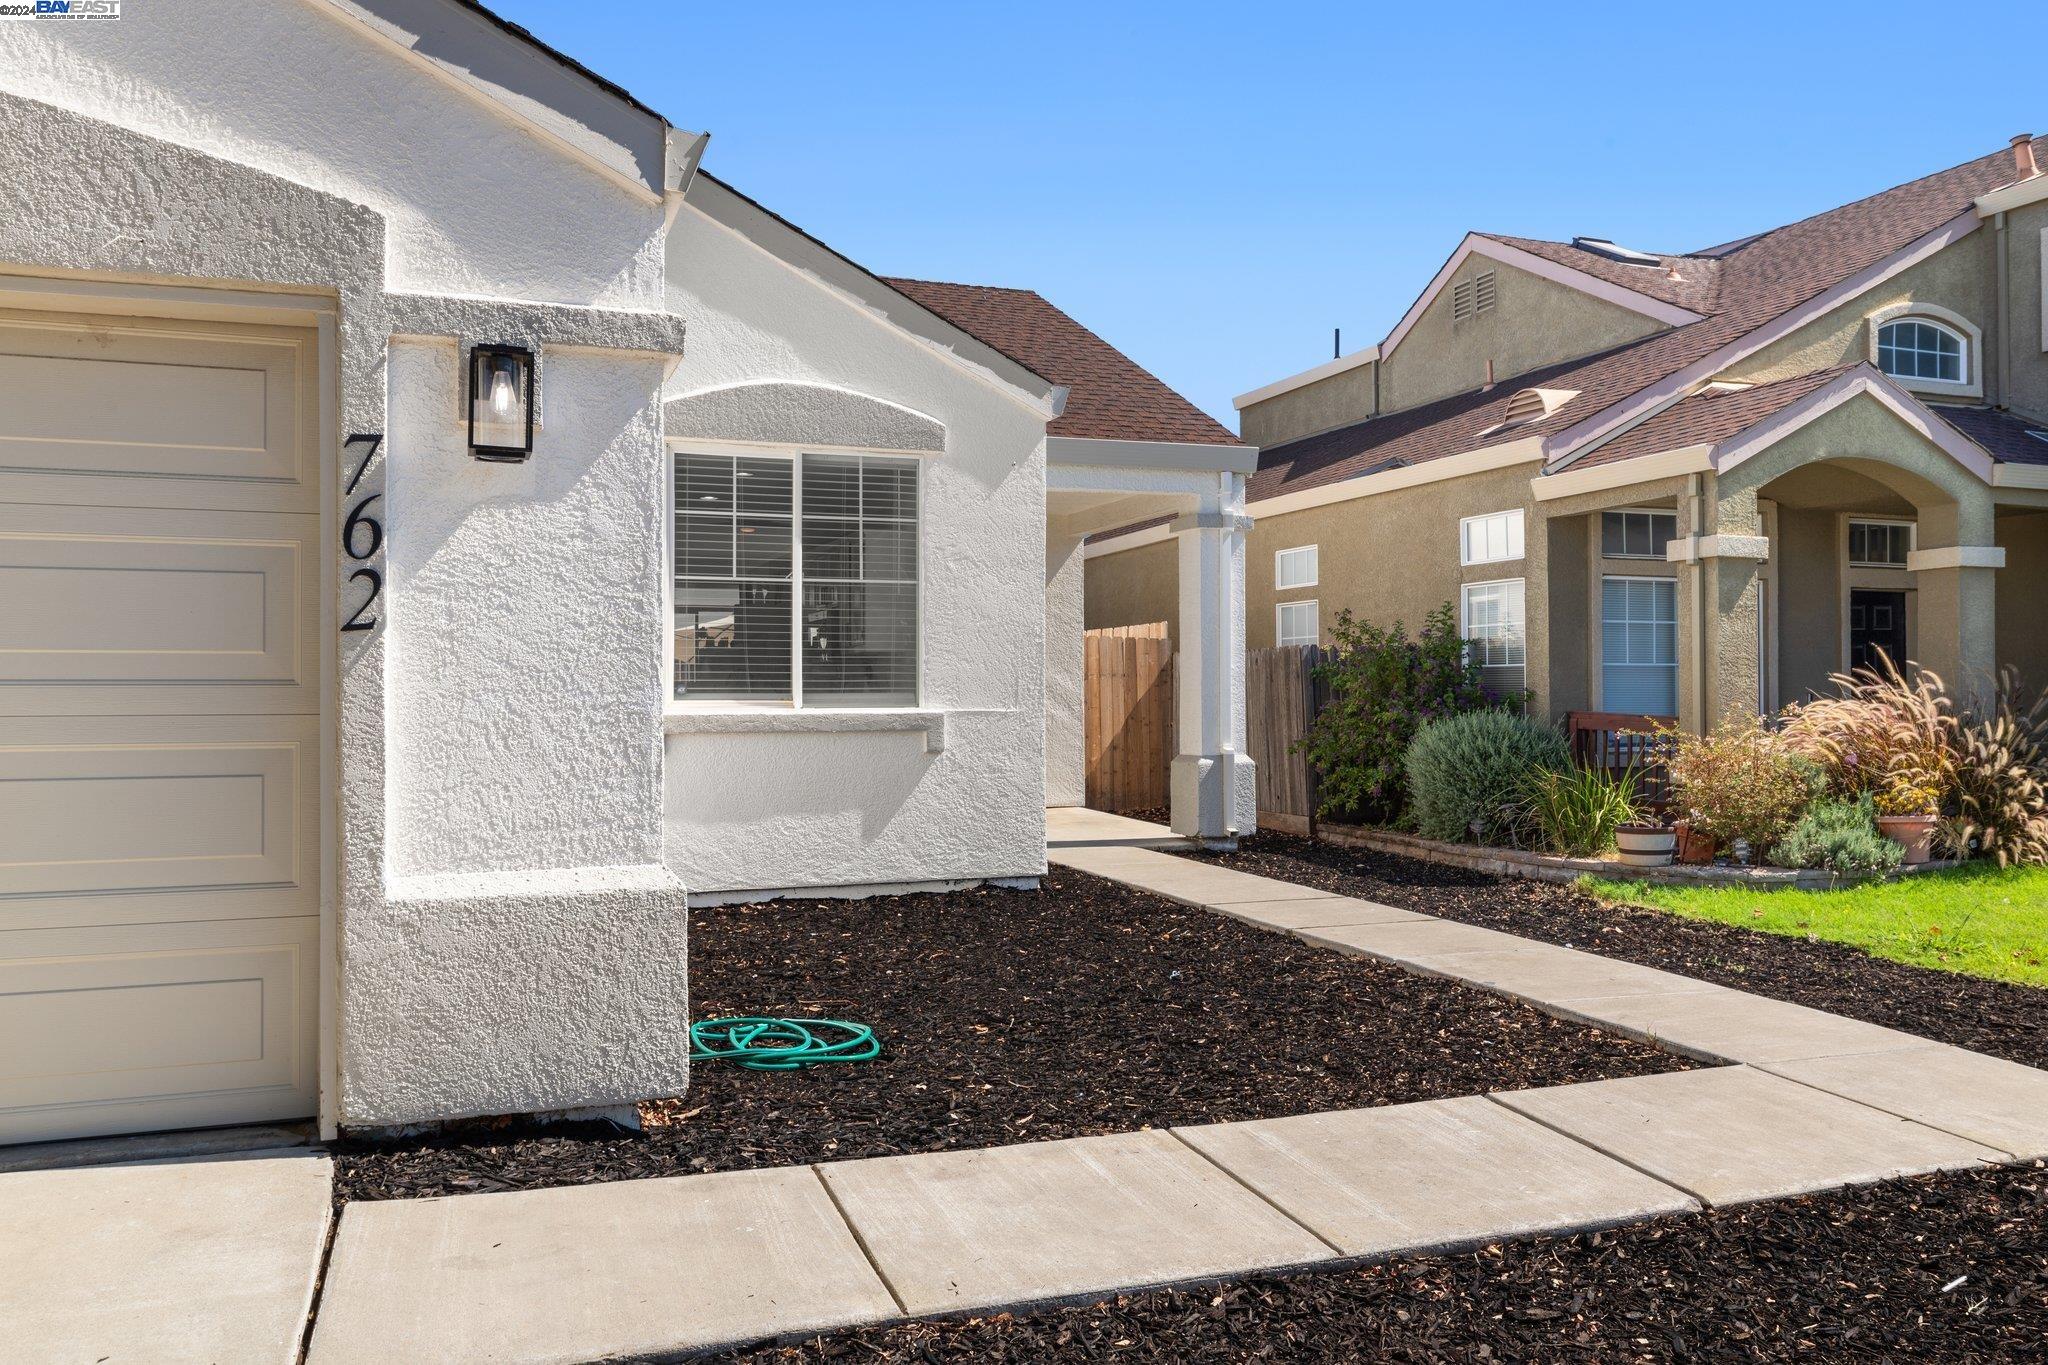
x=1383 y=686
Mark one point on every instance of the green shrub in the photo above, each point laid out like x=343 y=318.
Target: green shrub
x=1382 y=687
x=1575 y=811
x=1741 y=782
x=1839 y=836
x=1467 y=773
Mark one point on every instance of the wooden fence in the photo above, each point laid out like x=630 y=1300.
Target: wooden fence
x=1128 y=677
x=1281 y=697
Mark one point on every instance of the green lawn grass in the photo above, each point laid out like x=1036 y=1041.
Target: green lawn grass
x=1976 y=919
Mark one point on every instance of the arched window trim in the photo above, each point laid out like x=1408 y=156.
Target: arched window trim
x=1965 y=332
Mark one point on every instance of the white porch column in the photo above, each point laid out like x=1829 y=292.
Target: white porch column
x=1213 y=793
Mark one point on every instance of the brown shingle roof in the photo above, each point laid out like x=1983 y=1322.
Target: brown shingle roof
x=1707 y=418
x=1109 y=396
x=2009 y=437
x=1739 y=288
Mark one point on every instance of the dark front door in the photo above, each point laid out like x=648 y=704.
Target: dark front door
x=1877 y=621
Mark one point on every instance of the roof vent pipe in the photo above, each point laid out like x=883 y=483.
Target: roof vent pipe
x=2023 y=156
x=1489 y=377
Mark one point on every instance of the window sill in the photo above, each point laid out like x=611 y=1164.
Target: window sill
x=692 y=720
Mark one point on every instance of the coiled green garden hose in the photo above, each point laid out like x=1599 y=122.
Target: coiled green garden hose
x=761 y=1044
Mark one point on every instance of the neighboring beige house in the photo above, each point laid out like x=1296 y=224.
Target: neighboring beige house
x=1677 y=484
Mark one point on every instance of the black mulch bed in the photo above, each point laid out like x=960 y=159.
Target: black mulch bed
x=1861 y=1274
x=1015 y=1016
x=2001 y=1018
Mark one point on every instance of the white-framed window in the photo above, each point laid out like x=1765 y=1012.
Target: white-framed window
x=796 y=579
x=1880 y=544
x=1636 y=533
x=1296 y=568
x=1919 y=348
x=1491 y=539
x=1295 y=623
x=1492 y=620
x=1639 y=646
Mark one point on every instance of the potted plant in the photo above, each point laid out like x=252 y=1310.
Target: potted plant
x=1646 y=844
x=1695 y=846
x=1906 y=815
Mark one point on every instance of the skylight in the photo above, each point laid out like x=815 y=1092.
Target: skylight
x=1600 y=246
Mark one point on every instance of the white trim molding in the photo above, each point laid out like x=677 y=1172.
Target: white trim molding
x=1130 y=540
x=1692 y=549
x=2017 y=195
x=1600 y=478
x=1957 y=557
x=1210 y=457
x=1329 y=369
x=1864 y=379
x=1475 y=245
x=1574 y=441
x=2029 y=476
x=687 y=720
x=1947 y=319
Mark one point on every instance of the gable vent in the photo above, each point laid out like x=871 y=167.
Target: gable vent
x=1472 y=297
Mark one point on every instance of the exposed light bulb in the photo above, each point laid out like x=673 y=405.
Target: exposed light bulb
x=502 y=397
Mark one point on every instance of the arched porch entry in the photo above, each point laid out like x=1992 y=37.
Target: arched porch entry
x=1858 y=532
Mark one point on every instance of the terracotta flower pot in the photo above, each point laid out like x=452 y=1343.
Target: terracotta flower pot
x=1695 y=846
x=1914 y=833
x=1646 y=845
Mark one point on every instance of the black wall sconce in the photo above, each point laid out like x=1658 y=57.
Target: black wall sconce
x=501 y=403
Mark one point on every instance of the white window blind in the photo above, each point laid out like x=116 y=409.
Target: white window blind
x=1296 y=624
x=755 y=537
x=1296 y=568
x=1490 y=539
x=1639 y=646
x=1491 y=618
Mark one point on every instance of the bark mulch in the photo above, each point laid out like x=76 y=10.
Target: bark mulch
x=1998 y=1017
x=1945 y=1268
x=1014 y=1016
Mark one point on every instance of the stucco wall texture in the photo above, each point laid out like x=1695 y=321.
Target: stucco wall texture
x=752 y=812
x=510 y=956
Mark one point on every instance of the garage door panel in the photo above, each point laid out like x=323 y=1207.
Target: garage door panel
x=161 y=743
x=107 y=1031
x=176 y=817
x=142 y=819
x=155 y=403
x=119 y=610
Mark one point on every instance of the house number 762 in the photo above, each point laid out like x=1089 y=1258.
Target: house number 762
x=362 y=536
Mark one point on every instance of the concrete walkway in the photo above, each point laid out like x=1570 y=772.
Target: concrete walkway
x=1810 y=1102
x=212 y=1259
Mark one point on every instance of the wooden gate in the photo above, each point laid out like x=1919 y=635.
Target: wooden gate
x=1129 y=681
x=1280 y=700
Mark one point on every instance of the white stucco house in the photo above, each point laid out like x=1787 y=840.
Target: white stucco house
x=443 y=530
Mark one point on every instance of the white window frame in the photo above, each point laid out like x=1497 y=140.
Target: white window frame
x=1280 y=610
x=1465 y=591
x=1677 y=645
x=1964 y=331
x=1315 y=567
x=1515 y=521
x=1849 y=524
x=1652 y=558
x=795 y=701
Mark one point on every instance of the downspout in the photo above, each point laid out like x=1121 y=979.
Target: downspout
x=2003 y=307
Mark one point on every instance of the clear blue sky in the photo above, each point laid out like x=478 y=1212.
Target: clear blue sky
x=1213 y=188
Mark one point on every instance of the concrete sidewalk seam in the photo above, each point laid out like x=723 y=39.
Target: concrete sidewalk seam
x=860 y=1240
x=1256 y=1193
x=1596 y=1148
x=2010 y=1156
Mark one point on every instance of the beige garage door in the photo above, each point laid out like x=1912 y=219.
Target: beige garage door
x=160 y=751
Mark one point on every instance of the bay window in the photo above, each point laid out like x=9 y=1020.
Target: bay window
x=796 y=579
